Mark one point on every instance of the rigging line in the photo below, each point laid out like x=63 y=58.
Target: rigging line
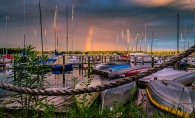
x=59 y=31
x=141 y=36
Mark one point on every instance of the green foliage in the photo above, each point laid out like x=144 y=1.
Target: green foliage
x=29 y=73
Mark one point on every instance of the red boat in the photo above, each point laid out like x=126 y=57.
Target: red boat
x=9 y=56
x=124 y=56
x=134 y=72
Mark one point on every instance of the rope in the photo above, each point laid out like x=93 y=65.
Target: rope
x=99 y=88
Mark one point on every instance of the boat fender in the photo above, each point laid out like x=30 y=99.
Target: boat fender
x=111 y=108
x=164 y=82
x=155 y=78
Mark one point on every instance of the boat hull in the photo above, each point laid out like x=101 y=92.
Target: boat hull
x=118 y=67
x=110 y=98
x=134 y=72
x=108 y=65
x=170 y=96
x=112 y=75
x=59 y=67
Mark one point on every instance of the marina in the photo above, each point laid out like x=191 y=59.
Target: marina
x=105 y=59
x=64 y=80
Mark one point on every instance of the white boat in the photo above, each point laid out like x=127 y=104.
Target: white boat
x=111 y=98
x=182 y=77
x=171 y=96
x=101 y=66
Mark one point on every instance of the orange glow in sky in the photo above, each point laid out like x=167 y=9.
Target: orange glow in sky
x=89 y=39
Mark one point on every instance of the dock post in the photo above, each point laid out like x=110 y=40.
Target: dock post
x=85 y=60
x=95 y=61
x=104 y=58
x=127 y=58
x=63 y=67
x=135 y=60
x=176 y=65
x=142 y=60
x=79 y=64
x=164 y=59
x=99 y=57
x=82 y=64
x=15 y=71
x=152 y=61
x=117 y=58
x=88 y=72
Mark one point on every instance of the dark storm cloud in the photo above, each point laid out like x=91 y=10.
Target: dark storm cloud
x=106 y=16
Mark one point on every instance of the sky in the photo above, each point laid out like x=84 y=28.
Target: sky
x=98 y=25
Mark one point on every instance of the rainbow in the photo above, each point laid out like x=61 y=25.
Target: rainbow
x=89 y=39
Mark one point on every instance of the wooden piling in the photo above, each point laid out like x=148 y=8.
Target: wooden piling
x=88 y=72
x=117 y=58
x=102 y=58
x=95 y=61
x=85 y=60
x=63 y=67
x=82 y=65
x=135 y=61
x=164 y=58
x=152 y=61
x=176 y=65
x=142 y=60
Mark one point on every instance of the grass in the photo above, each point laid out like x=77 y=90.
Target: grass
x=130 y=110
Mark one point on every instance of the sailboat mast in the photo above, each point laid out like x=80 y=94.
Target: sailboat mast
x=24 y=26
x=185 y=39
x=54 y=25
x=152 y=41
x=178 y=34
x=72 y=24
x=194 y=25
x=91 y=40
x=117 y=42
x=188 y=42
x=137 y=41
x=122 y=39
x=46 y=40
x=145 y=38
x=128 y=39
x=6 y=36
x=67 y=28
x=2 y=41
x=41 y=30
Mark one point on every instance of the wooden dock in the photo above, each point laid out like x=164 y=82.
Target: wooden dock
x=61 y=103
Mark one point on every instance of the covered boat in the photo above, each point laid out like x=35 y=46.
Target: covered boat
x=101 y=66
x=134 y=72
x=86 y=99
x=110 y=98
x=114 y=74
x=171 y=96
x=58 y=64
x=59 y=67
x=118 y=67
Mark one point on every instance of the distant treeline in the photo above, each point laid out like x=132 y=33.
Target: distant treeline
x=19 y=50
